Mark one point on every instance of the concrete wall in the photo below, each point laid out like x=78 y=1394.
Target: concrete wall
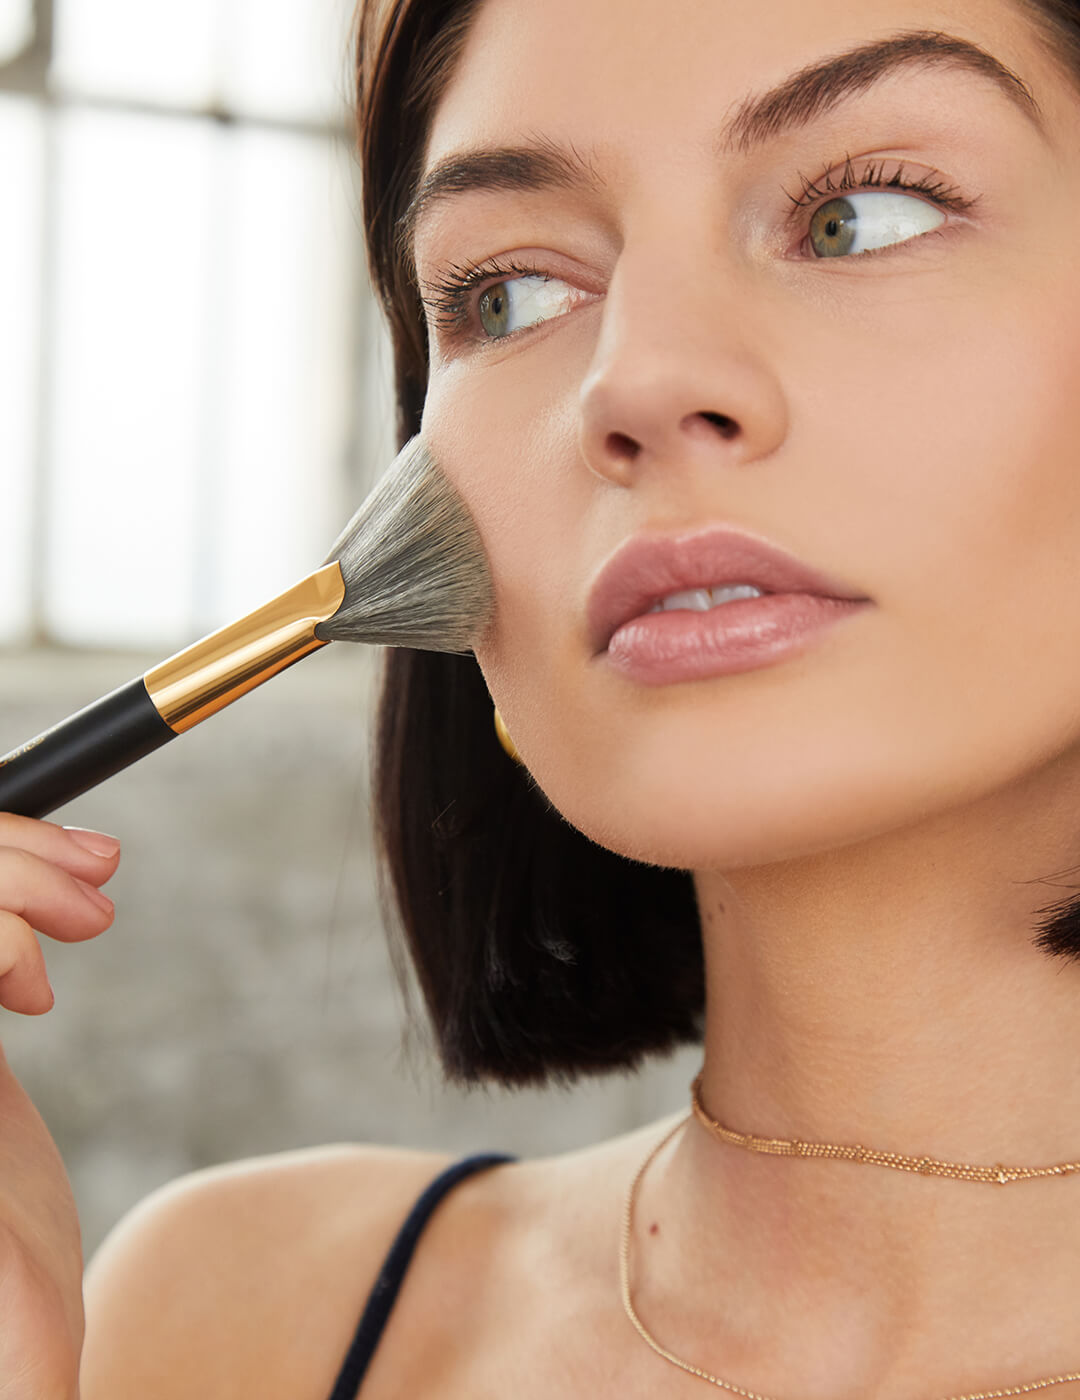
x=243 y=1001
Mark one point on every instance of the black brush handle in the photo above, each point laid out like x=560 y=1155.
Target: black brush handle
x=82 y=751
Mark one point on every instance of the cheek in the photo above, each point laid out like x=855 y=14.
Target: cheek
x=506 y=433
x=975 y=519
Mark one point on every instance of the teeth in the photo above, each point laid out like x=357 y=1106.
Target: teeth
x=702 y=599
x=729 y=593
x=696 y=599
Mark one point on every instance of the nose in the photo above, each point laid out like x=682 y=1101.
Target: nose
x=679 y=374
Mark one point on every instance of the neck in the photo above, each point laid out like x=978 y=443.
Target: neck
x=888 y=995
x=897 y=1001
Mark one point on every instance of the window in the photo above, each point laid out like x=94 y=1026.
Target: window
x=16 y=27
x=195 y=387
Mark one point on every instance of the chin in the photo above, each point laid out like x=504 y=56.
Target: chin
x=789 y=763
x=696 y=810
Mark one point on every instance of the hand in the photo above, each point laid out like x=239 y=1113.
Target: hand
x=49 y=880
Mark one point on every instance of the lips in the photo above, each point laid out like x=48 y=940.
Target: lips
x=648 y=567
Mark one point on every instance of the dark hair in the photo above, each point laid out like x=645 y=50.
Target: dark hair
x=1058 y=22
x=540 y=955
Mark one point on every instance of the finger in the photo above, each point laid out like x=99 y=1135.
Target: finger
x=24 y=982
x=90 y=855
x=49 y=899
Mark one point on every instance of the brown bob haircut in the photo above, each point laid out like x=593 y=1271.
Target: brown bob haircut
x=541 y=956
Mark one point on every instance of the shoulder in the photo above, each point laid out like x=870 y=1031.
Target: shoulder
x=250 y=1279
x=247 y=1278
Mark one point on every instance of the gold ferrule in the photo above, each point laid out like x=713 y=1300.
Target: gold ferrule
x=205 y=677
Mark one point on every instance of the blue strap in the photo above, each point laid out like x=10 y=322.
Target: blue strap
x=383 y=1294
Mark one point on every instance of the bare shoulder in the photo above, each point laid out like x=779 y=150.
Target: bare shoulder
x=247 y=1278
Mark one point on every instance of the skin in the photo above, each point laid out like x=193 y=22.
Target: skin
x=873 y=824
x=49 y=883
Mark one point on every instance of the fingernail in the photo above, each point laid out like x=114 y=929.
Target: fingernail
x=95 y=841
x=101 y=900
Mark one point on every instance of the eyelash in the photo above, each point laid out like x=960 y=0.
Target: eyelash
x=450 y=298
x=931 y=185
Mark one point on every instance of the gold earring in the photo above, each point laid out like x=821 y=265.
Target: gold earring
x=504 y=737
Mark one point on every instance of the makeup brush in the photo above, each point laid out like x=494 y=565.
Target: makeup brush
x=409 y=570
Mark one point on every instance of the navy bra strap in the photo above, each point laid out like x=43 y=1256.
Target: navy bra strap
x=385 y=1291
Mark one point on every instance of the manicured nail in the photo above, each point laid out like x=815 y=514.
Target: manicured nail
x=94 y=841
x=101 y=900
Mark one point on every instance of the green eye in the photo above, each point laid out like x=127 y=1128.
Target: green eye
x=859 y=223
x=518 y=302
x=832 y=229
x=494 y=309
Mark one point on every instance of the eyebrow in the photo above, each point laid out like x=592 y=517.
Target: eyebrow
x=541 y=165
x=816 y=90
x=806 y=96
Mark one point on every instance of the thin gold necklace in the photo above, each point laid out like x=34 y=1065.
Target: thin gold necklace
x=627 y=1230
x=925 y=1166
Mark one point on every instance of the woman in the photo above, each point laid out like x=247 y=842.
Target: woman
x=798 y=281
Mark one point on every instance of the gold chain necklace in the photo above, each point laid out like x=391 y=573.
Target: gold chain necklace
x=925 y=1165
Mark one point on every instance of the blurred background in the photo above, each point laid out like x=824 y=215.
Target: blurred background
x=194 y=396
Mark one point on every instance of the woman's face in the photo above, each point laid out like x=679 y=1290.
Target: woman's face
x=665 y=347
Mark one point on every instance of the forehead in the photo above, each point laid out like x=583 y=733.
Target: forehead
x=650 y=73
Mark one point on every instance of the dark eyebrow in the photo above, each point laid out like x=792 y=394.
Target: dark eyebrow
x=810 y=93
x=542 y=165
x=818 y=88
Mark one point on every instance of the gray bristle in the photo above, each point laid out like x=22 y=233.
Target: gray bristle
x=415 y=570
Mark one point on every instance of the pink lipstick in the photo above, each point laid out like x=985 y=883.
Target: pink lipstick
x=662 y=647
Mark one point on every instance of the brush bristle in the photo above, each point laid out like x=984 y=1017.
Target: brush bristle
x=415 y=570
